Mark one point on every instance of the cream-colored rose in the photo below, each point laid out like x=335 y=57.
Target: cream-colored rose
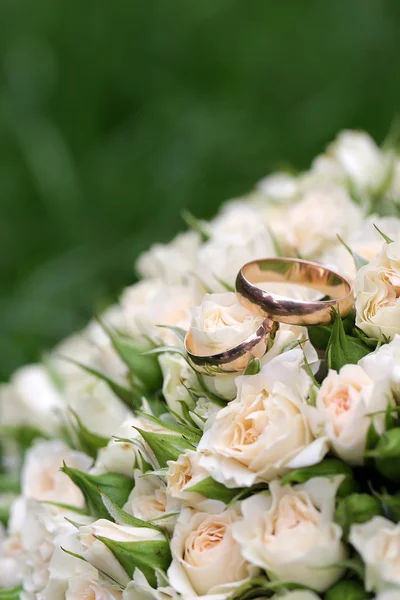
x=222 y=322
x=312 y=224
x=173 y=263
x=123 y=456
x=291 y=534
x=384 y=365
x=264 y=432
x=71 y=578
x=279 y=187
x=97 y=553
x=365 y=241
x=32 y=399
x=224 y=385
x=41 y=475
x=150 y=303
x=183 y=474
x=140 y=589
x=378 y=542
x=377 y=288
x=206 y=560
x=344 y=405
x=99 y=409
x=178 y=379
x=355 y=156
x=150 y=501
x=237 y=235
x=42 y=529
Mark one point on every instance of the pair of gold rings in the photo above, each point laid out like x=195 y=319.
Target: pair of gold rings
x=277 y=309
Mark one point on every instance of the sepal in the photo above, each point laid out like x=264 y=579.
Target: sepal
x=114 y=485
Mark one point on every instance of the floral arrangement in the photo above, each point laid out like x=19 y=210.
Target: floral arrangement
x=127 y=474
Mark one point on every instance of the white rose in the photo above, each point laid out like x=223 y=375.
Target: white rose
x=99 y=409
x=312 y=224
x=344 y=405
x=150 y=303
x=365 y=241
x=97 y=553
x=378 y=542
x=264 y=432
x=388 y=595
x=140 y=589
x=71 y=578
x=355 y=154
x=222 y=322
x=173 y=263
x=121 y=456
x=384 y=365
x=377 y=288
x=237 y=236
x=42 y=529
x=224 y=385
x=184 y=473
x=149 y=500
x=291 y=534
x=41 y=476
x=178 y=379
x=206 y=560
x=279 y=187
x=32 y=399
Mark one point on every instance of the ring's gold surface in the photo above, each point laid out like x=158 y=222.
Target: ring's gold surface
x=294 y=271
x=235 y=359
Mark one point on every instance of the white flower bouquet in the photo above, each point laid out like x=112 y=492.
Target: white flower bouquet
x=129 y=473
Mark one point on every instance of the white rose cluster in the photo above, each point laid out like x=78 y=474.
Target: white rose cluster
x=128 y=473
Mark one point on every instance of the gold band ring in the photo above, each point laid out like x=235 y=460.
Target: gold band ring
x=233 y=360
x=294 y=271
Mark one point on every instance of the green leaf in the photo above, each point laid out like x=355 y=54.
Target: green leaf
x=355 y=565
x=385 y=237
x=329 y=467
x=121 y=516
x=210 y=488
x=260 y=586
x=347 y=590
x=371 y=342
x=11 y=593
x=148 y=556
x=145 y=368
x=359 y=261
x=356 y=509
x=277 y=247
x=116 y=486
x=191 y=433
x=165 y=446
x=391 y=503
x=387 y=454
x=253 y=367
x=126 y=395
x=195 y=224
x=70 y=507
x=343 y=349
x=227 y=287
x=9 y=483
x=372 y=438
x=89 y=442
x=24 y=435
x=319 y=335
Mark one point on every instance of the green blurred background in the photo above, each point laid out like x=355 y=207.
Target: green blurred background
x=114 y=116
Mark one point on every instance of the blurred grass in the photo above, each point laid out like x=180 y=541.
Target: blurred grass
x=114 y=116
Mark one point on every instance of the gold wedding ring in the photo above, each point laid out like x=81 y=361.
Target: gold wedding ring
x=233 y=360
x=293 y=271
